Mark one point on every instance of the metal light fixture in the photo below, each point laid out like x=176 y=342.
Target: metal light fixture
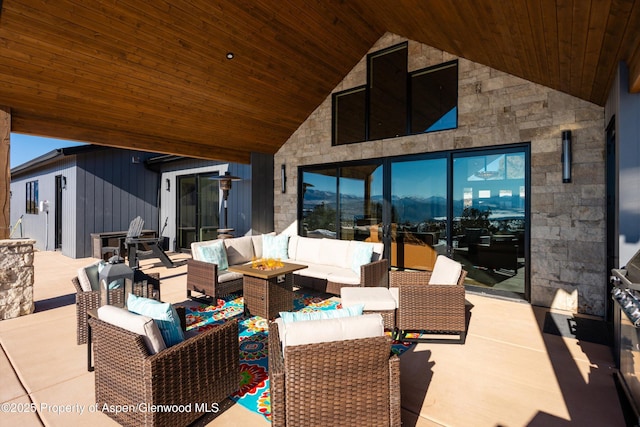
x=566 y=156
x=225 y=186
x=283 y=177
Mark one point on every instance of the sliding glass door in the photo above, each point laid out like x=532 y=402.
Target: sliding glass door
x=198 y=209
x=418 y=226
x=490 y=218
x=468 y=205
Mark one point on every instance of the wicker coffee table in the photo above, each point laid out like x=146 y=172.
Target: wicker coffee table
x=267 y=292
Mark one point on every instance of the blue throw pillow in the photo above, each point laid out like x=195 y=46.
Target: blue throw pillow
x=215 y=253
x=275 y=246
x=297 y=316
x=361 y=255
x=162 y=313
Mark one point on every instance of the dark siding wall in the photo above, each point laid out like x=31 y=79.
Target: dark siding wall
x=112 y=190
x=262 y=193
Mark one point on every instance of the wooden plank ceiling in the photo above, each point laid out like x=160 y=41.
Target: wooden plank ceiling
x=153 y=75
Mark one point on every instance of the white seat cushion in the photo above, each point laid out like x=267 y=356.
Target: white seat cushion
x=374 y=299
x=445 y=271
x=329 y=330
x=136 y=323
x=227 y=276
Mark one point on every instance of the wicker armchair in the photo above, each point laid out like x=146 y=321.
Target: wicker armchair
x=340 y=383
x=89 y=300
x=197 y=373
x=431 y=308
x=202 y=277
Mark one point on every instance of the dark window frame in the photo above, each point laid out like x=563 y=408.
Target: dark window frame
x=410 y=99
x=408 y=96
x=31 y=197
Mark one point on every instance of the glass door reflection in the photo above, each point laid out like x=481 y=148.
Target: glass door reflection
x=489 y=219
x=418 y=228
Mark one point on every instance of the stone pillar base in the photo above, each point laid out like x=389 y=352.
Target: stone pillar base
x=16 y=278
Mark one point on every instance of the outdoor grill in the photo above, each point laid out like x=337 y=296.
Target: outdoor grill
x=626 y=326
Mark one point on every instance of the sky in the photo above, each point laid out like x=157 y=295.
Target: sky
x=27 y=147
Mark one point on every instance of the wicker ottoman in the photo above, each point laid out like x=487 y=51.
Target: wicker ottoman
x=375 y=299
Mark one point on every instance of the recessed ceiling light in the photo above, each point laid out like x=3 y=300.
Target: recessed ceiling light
x=230 y=55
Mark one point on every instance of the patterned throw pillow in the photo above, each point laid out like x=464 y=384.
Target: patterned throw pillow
x=164 y=315
x=275 y=246
x=297 y=316
x=361 y=256
x=215 y=253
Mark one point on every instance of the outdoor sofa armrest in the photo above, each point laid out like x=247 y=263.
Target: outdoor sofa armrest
x=375 y=274
x=276 y=377
x=202 y=277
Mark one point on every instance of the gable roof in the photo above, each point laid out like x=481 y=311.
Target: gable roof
x=155 y=75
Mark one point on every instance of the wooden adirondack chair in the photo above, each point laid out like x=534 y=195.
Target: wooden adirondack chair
x=143 y=247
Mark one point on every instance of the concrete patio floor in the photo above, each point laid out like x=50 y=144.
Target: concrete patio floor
x=508 y=373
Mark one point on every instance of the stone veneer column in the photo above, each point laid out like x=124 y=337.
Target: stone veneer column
x=16 y=278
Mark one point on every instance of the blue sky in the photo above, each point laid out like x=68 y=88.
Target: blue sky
x=26 y=147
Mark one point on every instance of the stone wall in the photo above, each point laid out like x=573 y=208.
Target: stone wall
x=16 y=278
x=568 y=269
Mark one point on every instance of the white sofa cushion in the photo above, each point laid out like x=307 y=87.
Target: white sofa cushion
x=308 y=250
x=445 y=271
x=136 y=323
x=329 y=330
x=239 y=249
x=345 y=276
x=226 y=276
x=334 y=252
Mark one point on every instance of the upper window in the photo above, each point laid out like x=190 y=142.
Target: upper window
x=32 y=197
x=388 y=93
x=395 y=103
x=434 y=98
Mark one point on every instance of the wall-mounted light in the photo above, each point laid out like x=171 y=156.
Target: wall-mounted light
x=135 y=160
x=283 y=178
x=168 y=181
x=64 y=182
x=566 y=156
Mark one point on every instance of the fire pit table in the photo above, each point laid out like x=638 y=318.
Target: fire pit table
x=267 y=290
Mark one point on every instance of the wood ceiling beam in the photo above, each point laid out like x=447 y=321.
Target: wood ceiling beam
x=123 y=139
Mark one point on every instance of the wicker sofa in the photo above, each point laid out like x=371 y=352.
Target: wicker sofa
x=345 y=382
x=194 y=375
x=331 y=264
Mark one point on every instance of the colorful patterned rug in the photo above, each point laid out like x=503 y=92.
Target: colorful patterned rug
x=254 y=384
